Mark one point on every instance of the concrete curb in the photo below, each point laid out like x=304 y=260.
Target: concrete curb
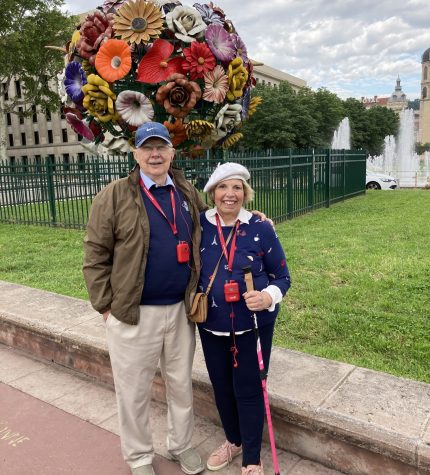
x=348 y=418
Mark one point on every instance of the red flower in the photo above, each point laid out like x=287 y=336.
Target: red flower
x=198 y=60
x=156 y=66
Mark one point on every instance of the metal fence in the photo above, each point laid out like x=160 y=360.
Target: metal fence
x=287 y=183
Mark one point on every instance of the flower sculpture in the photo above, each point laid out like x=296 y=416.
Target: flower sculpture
x=134 y=61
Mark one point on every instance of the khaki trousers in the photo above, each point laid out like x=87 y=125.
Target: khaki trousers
x=163 y=335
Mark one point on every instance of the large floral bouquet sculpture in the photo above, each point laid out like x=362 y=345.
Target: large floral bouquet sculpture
x=134 y=61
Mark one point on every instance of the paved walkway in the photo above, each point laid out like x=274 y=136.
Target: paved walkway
x=54 y=421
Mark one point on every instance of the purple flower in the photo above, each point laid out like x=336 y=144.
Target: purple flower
x=220 y=43
x=74 y=80
x=240 y=47
x=209 y=15
x=168 y=6
x=110 y=6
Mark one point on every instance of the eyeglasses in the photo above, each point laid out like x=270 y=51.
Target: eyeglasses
x=147 y=149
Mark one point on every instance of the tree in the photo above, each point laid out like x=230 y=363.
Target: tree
x=421 y=148
x=356 y=113
x=330 y=110
x=26 y=27
x=271 y=125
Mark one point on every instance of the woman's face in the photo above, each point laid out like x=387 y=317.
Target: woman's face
x=229 y=196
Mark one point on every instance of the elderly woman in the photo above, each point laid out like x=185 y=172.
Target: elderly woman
x=237 y=239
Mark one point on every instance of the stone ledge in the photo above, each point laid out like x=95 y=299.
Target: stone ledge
x=352 y=419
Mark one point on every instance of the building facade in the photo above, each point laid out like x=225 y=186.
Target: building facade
x=272 y=77
x=39 y=135
x=398 y=100
x=424 y=133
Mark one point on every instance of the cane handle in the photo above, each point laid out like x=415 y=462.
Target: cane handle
x=248 y=279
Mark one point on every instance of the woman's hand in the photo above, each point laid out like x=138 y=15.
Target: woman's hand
x=106 y=315
x=257 y=301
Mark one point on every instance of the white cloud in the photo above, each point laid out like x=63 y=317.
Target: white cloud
x=351 y=48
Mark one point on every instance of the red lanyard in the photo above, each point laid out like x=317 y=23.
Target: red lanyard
x=228 y=257
x=158 y=207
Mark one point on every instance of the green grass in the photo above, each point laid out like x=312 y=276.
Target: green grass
x=360 y=273
x=71 y=213
x=361 y=283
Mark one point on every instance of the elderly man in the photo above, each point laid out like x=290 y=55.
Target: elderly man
x=141 y=263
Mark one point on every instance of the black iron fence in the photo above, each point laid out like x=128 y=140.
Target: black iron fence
x=287 y=183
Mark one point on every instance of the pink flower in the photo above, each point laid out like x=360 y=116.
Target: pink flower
x=216 y=85
x=79 y=126
x=220 y=43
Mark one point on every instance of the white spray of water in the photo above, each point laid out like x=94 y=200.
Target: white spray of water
x=342 y=136
x=399 y=158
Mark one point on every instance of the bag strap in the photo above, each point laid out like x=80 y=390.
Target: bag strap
x=218 y=263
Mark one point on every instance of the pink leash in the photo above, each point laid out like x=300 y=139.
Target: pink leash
x=263 y=374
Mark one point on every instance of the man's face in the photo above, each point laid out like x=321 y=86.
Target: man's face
x=154 y=158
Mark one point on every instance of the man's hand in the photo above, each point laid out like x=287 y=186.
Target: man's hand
x=263 y=217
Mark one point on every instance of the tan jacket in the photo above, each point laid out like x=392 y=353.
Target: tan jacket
x=117 y=241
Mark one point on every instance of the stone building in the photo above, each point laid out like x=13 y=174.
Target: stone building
x=424 y=133
x=40 y=135
x=398 y=100
x=272 y=77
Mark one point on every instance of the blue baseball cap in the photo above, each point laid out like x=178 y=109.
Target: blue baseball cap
x=149 y=130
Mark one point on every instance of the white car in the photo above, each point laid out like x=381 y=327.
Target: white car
x=380 y=181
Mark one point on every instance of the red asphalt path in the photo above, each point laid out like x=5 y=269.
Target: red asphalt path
x=39 y=439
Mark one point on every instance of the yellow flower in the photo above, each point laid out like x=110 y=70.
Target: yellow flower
x=198 y=128
x=254 y=102
x=99 y=99
x=230 y=141
x=138 y=21
x=237 y=78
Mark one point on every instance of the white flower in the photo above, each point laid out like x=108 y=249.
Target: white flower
x=186 y=23
x=228 y=117
x=210 y=140
x=134 y=107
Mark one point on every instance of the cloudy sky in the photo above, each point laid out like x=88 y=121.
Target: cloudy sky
x=352 y=48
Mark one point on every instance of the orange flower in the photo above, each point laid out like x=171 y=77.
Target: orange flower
x=177 y=132
x=113 y=60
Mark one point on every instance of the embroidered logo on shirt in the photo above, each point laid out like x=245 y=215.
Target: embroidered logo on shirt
x=185 y=205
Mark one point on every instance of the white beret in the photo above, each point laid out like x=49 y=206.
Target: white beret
x=227 y=171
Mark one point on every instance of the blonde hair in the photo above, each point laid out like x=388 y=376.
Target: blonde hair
x=248 y=193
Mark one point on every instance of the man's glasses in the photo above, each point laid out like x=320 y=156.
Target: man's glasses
x=147 y=149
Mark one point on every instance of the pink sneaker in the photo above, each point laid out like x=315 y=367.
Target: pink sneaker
x=222 y=456
x=253 y=469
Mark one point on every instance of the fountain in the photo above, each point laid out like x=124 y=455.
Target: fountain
x=399 y=158
x=342 y=136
